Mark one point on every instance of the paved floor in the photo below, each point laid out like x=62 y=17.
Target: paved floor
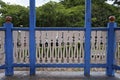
x=45 y=75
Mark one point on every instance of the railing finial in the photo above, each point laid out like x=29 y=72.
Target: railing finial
x=112 y=19
x=8 y=19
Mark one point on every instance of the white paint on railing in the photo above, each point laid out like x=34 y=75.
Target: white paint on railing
x=21 y=46
x=2 y=49
x=98 y=46
x=117 y=57
x=59 y=46
x=51 y=49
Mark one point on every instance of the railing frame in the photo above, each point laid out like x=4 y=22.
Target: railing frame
x=8 y=28
x=9 y=65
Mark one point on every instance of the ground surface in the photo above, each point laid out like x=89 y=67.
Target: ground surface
x=45 y=75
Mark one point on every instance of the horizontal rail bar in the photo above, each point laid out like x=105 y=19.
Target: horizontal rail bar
x=59 y=28
x=98 y=65
x=19 y=28
x=99 y=29
x=21 y=65
x=60 y=65
x=118 y=28
x=116 y=67
x=2 y=28
x=68 y=28
x=2 y=66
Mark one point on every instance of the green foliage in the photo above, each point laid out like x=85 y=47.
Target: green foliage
x=18 y=13
x=66 y=13
x=101 y=12
x=56 y=15
x=72 y=3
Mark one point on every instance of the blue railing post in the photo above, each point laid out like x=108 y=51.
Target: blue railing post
x=87 y=38
x=32 y=47
x=8 y=47
x=111 y=47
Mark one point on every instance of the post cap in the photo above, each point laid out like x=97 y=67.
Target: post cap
x=112 y=19
x=8 y=18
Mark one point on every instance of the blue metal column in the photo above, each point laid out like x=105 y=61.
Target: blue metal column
x=8 y=49
x=110 y=49
x=32 y=46
x=87 y=46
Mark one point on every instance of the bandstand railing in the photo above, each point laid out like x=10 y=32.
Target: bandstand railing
x=60 y=47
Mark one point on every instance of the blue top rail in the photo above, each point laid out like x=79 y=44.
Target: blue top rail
x=60 y=28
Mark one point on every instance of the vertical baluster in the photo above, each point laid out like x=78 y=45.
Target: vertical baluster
x=37 y=47
x=103 y=40
x=46 y=47
x=78 y=47
x=43 y=46
x=26 y=48
x=19 y=48
x=56 y=47
x=19 y=51
x=98 y=47
x=82 y=47
x=63 y=46
x=59 y=45
x=68 y=46
x=3 y=47
x=44 y=40
x=40 y=51
x=71 y=47
x=118 y=47
x=119 y=52
x=56 y=40
x=15 y=46
x=27 y=57
x=55 y=53
x=52 y=46
x=93 y=47
x=2 y=56
x=50 y=40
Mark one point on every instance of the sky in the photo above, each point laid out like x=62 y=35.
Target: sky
x=26 y=2
x=38 y=2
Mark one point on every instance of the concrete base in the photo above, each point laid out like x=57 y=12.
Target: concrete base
x=57 y=75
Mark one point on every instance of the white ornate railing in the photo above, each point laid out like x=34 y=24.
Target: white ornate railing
x=117 y=57
x=59 y=46
x=98 y=46
x=2 y=49
x=50 y=48
x=21 y=46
